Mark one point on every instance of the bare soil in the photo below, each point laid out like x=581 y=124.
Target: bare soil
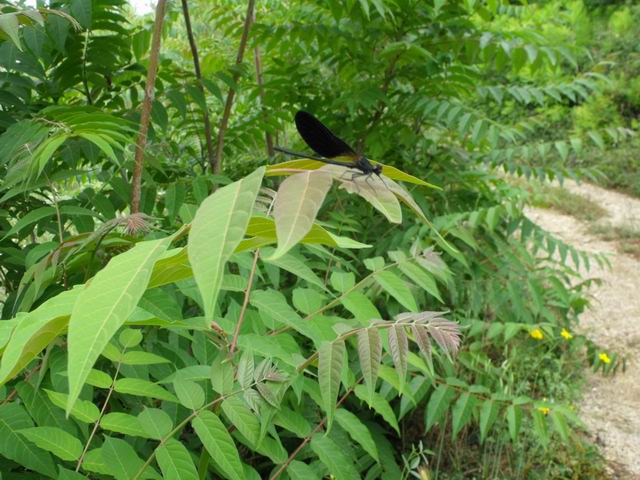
x=610 y=407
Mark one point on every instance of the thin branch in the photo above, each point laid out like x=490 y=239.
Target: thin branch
x=196 y=68
x=247 y=294
x=259 y=80
x=145 y=117
x=224 y=122
x=245 y=303
x=97 y=423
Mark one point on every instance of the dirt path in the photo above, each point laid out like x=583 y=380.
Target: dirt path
x=611 y=405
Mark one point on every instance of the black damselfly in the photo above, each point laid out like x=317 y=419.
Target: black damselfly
x=330 y=148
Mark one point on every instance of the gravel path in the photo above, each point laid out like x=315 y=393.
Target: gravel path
x=611 y=405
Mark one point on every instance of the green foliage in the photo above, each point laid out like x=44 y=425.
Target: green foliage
x=288 y=327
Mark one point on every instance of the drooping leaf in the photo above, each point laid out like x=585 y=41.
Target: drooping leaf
x=54 y=440
x=296 y=206
x=335 y=459
x=218 y=443
x=217 y=229
x=399 y=347
x=155 y=422
x=190 y=394
x=14 y=446
x=438 y=404
x=380 y=405
x=369 y=352
x=175 y=461
x=358 y=431
x=397 y=288
x=241 y=416
x=462 y=410
x=104 y=305
x=330 y=360
x=488 y=416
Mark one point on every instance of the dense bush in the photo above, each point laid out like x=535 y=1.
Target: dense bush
x=373 y=341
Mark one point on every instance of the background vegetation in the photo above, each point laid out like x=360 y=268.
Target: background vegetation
x=159 y=334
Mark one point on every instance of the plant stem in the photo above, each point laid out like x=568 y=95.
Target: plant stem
x=224 y=122
x=196 y=68
x=145 y=117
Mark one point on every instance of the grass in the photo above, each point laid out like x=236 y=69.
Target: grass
x=628 y=238
x=569 y=203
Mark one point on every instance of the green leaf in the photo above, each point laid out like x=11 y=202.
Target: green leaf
x=488 y=416
x=190 y=394
x=98 y=378
x=142 y=358
x=397 y=288
x=123 y=423
x=13 y=446
x=175 y=461
x=438 y=404
x=218 y=443
x=357 y=431
x=217 y=229
x=293 y=264
x=81 y=11
x=10 y=25
x=104 y=305
x=293 y=421
x=514 y=418
x=122 y=460
x=540 y=426
x=342 y=281
x=335 y=459
x=461 y=413
x=155 y=422
x=296 y=206
x=55 y=440
x=380 y=405
x=274 y=304
x=369 y=353
x=330 y=360
x=82 y=410
x=66 y=474
x=143 y=388
x=301 y=471
x=560 y=424
x=30 y=218
x=421 y=278
x=241 y=416
x=35 y=331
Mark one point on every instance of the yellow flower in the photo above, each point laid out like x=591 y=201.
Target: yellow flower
x=544 y=410
x=537 y=334
x=604 y=358
x=565 y=333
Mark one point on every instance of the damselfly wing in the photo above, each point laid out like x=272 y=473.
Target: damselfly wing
x=329 y=146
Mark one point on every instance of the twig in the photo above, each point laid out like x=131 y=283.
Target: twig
x=245 y=303
x=229 y=103
x=196 y=68
x=97 y=423
x=247 y=294
x=149 y=93
x=260 y=82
